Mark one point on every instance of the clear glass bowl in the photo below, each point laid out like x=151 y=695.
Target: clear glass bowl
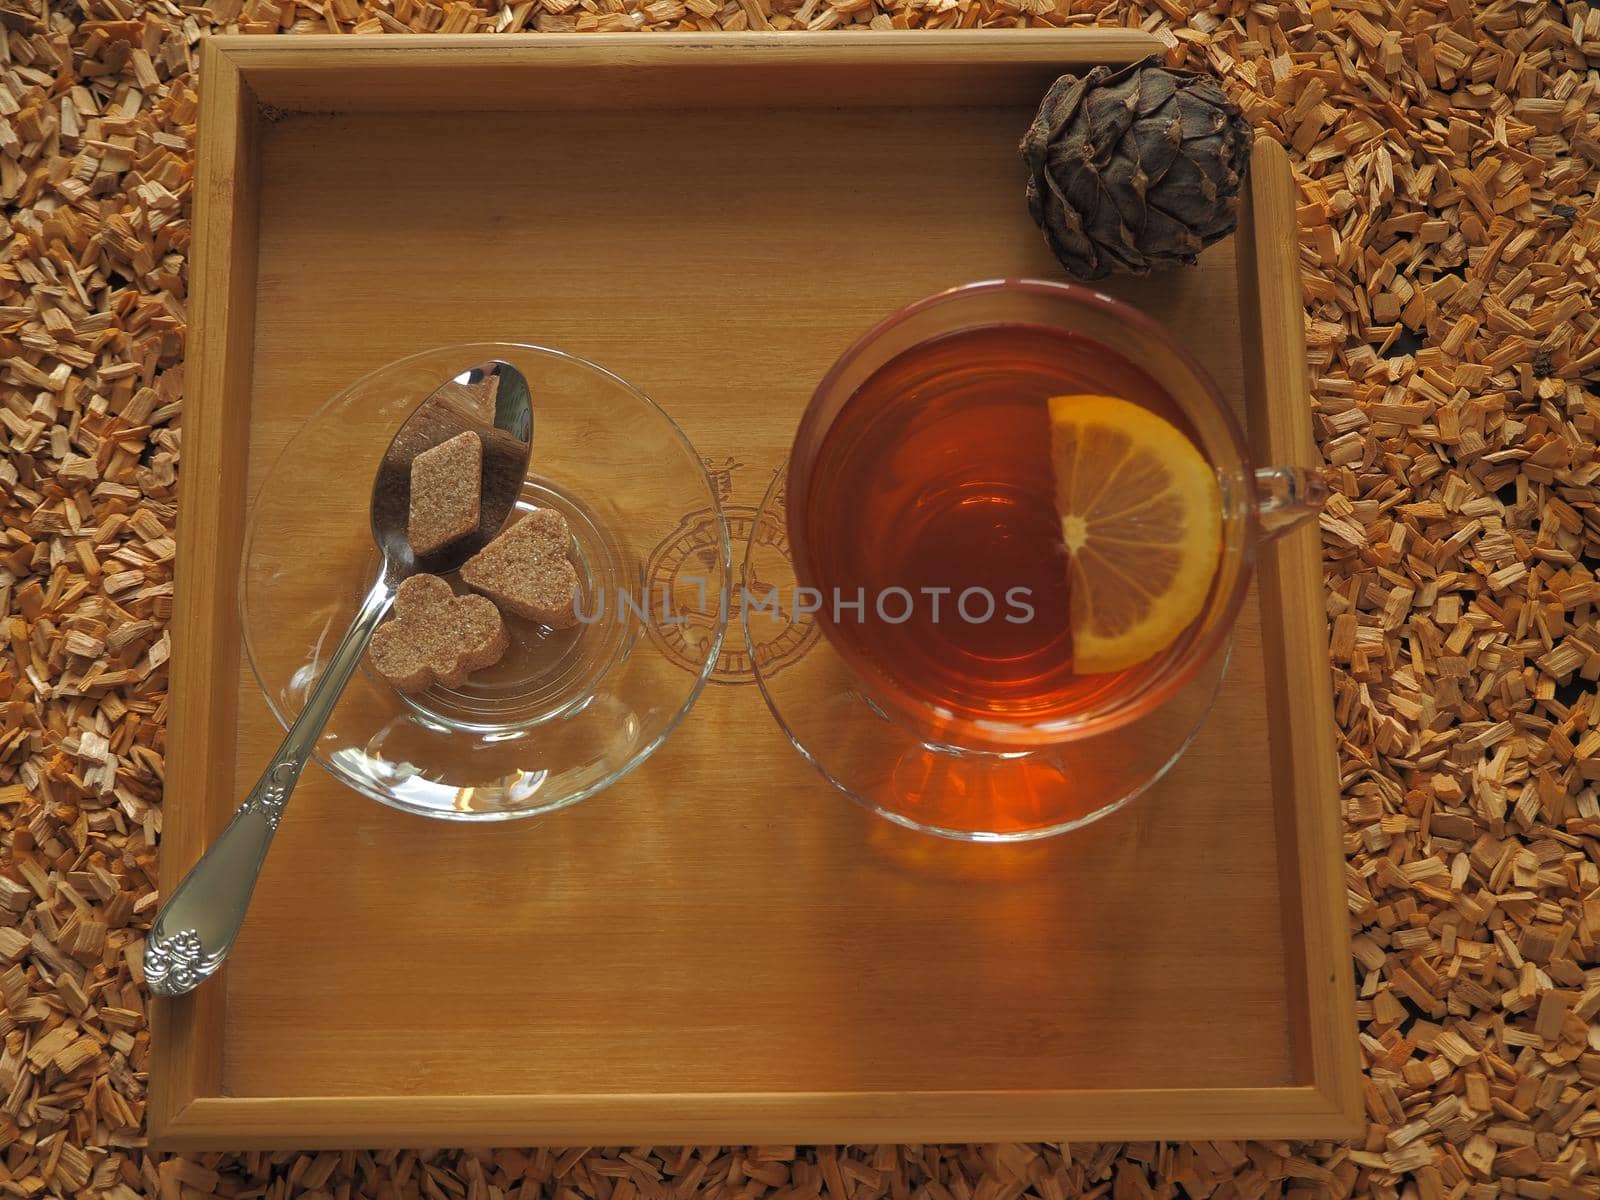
x=566 y=712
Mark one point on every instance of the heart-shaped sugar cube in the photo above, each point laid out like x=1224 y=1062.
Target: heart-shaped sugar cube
x=527 y=572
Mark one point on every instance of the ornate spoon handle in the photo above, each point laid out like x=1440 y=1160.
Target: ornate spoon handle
x=198 y=923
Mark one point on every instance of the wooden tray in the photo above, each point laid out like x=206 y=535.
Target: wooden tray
x=719 y=949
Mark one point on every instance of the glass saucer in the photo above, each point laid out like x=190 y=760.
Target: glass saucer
x=566 y=712
x=882 y=763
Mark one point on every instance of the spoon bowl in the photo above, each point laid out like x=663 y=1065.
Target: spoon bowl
x=455 y=407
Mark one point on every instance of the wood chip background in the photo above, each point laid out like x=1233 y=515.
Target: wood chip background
x=1447 y=157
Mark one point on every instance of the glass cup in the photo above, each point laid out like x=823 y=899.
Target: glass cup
x=1010 y=770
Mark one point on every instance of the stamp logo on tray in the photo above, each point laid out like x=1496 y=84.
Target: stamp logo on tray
x=683 y=561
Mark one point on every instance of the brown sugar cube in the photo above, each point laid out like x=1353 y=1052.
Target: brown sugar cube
x=526 y=570
x=446 y=485
x=436 y=636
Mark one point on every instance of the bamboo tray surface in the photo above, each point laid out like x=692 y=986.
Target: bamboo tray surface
x=720 y=948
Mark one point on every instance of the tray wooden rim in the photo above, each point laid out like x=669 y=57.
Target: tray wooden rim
x=244 y=78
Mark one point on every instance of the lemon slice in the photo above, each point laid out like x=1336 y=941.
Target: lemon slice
x=1141 y=517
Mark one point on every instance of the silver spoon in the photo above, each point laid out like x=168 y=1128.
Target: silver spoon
x=198 y=923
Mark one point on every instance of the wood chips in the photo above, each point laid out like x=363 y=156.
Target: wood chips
x=1446 y=154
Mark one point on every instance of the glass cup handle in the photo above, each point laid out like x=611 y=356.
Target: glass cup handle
x=1285 y=496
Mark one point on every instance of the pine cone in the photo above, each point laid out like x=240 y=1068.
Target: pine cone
x=1135 y=168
